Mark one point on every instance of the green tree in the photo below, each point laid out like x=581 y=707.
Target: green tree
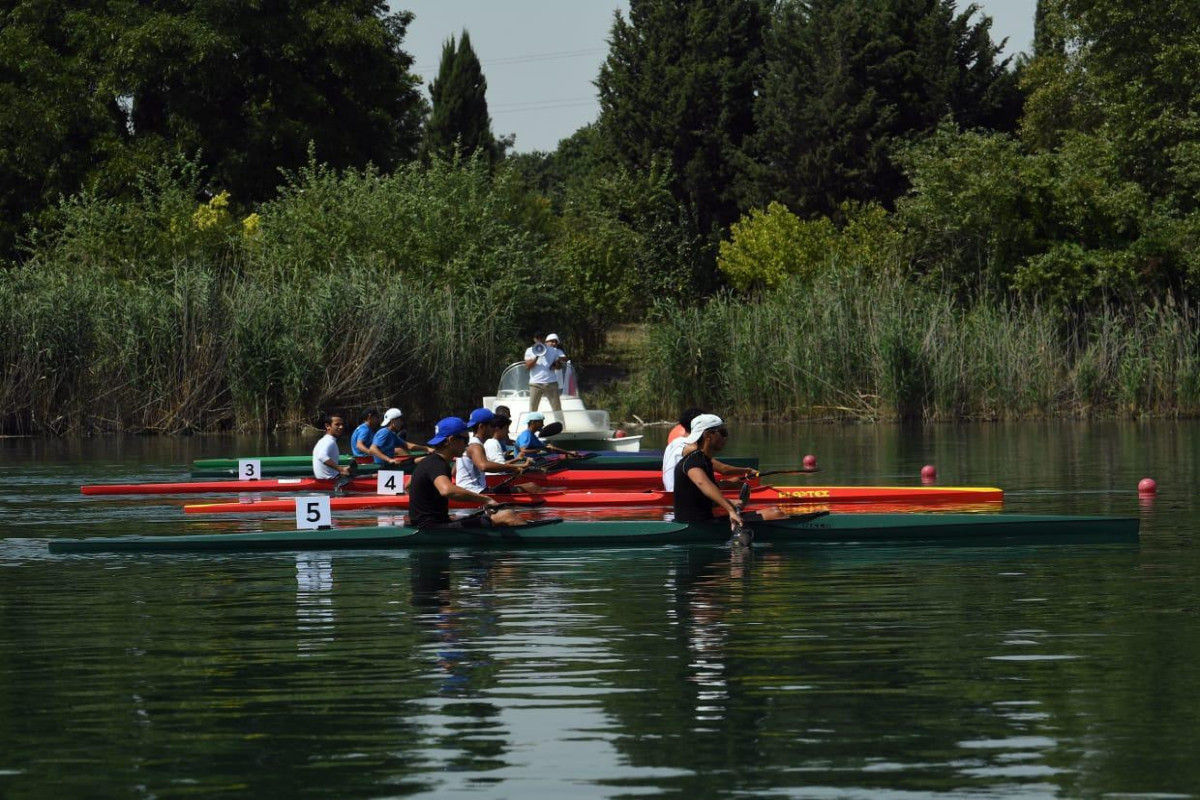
x=846 y=80
x=52 y=128
x=677 y=90
x=96 y=93
x=458 y=123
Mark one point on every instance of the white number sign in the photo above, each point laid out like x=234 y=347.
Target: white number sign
x=249 y=469
x=389 y=482
x=313 y=512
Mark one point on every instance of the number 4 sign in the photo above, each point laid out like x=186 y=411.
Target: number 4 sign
x=312 y=513
x=389 y=482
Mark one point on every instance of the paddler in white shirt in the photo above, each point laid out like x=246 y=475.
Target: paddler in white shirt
x=473 y=465
x=326 y=457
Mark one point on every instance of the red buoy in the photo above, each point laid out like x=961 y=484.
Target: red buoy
x=1147 y=486
x=809 y=462
x=618 y=434
x=928 y=472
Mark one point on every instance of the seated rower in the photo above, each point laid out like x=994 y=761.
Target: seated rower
x=528 y=443
x=696 y=490
x=326 y=457
x=680 y=447
x=474 y=464
x=360 y=440
x=508 y=446
x=388 y=446
x=431 y=488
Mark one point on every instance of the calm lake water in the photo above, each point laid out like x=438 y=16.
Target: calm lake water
x=894 y=672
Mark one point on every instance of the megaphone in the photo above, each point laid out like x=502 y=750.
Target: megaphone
x=539 y=350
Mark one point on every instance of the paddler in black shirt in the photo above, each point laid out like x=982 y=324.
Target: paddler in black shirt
x=432 y=488
x=696 y=490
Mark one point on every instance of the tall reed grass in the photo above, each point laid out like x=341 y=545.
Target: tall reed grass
x=203 y=352
x=849 y=346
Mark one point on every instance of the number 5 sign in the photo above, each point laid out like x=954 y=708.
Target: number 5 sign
x=312 y=513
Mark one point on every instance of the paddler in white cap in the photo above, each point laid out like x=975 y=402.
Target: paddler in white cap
x=528 y=443
x=388 y=445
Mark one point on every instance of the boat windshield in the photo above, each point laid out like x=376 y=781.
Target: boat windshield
x=515 y=381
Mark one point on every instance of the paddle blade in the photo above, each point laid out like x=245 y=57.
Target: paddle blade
x=744 y=495
x=553 y=429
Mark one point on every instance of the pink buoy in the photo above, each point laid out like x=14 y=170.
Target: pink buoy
x=928 y=472
x=809 y=462
x=1147 y=486
x=618 y=434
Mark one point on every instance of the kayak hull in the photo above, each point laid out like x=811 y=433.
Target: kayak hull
x=762 y=495
x=566 y=479
x=301 y=466
x=821 y=529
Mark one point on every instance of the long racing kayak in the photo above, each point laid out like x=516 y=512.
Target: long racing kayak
x=761 y=495
x=565 y=479
x=808 y=528
x=301 y=466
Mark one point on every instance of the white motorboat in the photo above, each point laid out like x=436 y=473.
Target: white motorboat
x=583 y=428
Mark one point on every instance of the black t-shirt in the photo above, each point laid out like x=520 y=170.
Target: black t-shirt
x=690 y=503
x=426 y=506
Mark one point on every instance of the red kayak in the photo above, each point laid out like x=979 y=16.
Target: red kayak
x=636 y=480
x=766 y=495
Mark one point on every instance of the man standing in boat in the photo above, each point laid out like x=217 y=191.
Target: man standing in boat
x=326 y=458
x=542 y=359
x=431 y=488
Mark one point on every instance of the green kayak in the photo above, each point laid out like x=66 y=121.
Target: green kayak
x=805 y=528
x=296 y=466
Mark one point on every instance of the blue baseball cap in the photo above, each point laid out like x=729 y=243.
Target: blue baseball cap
x=450 y=426
x=479 y=416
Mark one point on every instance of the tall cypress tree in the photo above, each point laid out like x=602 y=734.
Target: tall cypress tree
x=459 y=124
x=677 y=89
x=847 y=79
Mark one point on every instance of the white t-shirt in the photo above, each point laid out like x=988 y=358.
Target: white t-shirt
x=326 y=450
x=494 y=450
x=672 y=455
x=469 y=476
x=543 y=369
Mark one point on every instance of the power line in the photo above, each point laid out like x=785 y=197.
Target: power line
x=534 y=105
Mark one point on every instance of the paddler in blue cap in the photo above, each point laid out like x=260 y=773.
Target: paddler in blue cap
x=528 y=443
x=474 y=465
x=431 y=488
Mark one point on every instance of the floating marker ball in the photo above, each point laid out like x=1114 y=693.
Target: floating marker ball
x=809 y=462
x=928 y=472
x=619 y=434
x=1147 y=486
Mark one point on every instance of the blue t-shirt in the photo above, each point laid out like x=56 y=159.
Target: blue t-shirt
x=362 y=434
x=387 y=442
x=528 y=438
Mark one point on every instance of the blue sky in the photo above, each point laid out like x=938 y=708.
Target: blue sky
x=540 y=57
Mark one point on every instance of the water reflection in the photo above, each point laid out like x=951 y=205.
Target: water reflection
x=314 y=602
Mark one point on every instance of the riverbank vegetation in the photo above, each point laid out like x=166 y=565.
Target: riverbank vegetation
x=826 y=209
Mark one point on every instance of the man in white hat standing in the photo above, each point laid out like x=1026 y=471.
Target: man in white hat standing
x=542 y=359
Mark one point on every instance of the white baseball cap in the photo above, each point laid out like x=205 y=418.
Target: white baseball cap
x=391 y=414
x=702 y=423
x=553 y=337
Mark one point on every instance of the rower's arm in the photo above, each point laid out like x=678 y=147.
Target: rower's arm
x=387 y=459
x=479 y=459
x=726 y=469
x=699 y=477
x=452 y=491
